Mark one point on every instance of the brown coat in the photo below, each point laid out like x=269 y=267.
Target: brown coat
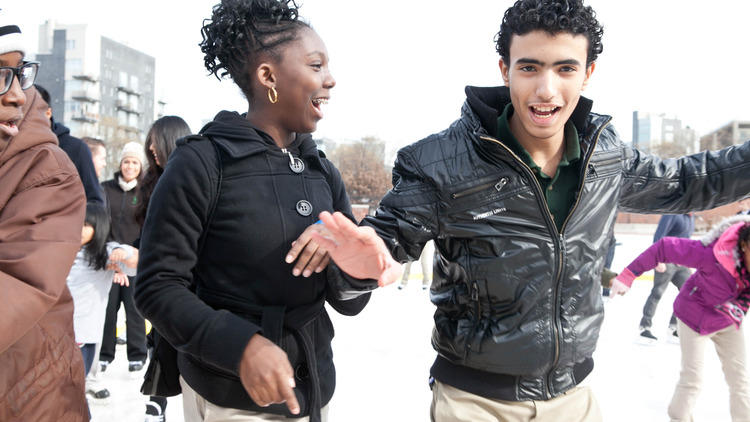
x=42 y=206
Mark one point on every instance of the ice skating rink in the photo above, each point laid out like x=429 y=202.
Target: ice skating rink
x=383 y=358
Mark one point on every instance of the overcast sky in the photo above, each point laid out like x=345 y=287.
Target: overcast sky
x=401 y=65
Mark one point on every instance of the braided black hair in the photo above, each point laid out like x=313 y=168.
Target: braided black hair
x=241 y=31
x=553 y=16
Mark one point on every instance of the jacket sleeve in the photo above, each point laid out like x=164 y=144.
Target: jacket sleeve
x=354 y=303
x=176 y=217
x=672 y=250
x=406 y=219
x=407 y=216
x=679 y=185
x=40 y=230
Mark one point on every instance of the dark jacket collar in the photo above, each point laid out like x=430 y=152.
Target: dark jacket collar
x=239 y=138
x=489 y=102
x=59 y=128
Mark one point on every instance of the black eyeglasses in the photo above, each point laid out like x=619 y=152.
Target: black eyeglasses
x=26 y=75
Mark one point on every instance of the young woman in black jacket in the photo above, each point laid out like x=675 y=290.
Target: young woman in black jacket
x=160 y=142
x=120 y=193
x=253 y=338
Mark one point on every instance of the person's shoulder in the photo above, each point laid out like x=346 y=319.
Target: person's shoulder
x=446 y=144
x=44 y=164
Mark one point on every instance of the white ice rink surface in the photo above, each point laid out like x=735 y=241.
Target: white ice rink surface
x=383 y=358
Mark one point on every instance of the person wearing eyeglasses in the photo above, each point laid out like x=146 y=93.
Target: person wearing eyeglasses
x=42 y=212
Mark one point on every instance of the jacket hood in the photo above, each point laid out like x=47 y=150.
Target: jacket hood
x=725 y=234
x=489 y=102
x=34 y=128
x=59 y=129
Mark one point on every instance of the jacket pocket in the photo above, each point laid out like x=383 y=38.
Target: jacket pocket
x=604 y=165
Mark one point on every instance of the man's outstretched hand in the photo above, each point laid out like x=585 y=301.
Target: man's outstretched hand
x=358 y=251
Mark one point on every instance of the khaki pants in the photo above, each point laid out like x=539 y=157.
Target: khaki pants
x=449 y=404
x=198 y=409
x=730 y=346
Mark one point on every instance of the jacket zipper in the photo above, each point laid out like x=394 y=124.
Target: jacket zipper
x=559 y=236
x=499 y=185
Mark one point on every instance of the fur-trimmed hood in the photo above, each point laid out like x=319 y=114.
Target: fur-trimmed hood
x=725 y=235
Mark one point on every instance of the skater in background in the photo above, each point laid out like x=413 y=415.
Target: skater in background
x=711 y=306
x=160 y=142
x=79 y=154
x=120 y=192
x=670 y=225
x=97 y=265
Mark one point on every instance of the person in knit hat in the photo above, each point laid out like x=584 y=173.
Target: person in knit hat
x=40 y=232
x=122 y=201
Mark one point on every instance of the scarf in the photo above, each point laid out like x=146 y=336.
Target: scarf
x=126 y=186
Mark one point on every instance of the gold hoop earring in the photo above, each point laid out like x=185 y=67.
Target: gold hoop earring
x=273 y=96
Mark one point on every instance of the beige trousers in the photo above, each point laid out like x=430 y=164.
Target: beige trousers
x=730 y=346
x=449 y=404
x=198 y=409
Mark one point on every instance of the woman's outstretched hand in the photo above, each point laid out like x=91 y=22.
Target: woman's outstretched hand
x=358 y=251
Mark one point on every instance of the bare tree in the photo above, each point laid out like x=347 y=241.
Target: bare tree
x=363 y=170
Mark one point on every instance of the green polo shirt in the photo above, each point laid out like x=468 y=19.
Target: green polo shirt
x=561 y=189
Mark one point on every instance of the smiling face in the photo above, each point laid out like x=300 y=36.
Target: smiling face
x=303 y=82
x=130 y=168
x=152 y=149
x=546 y=75
x=12 y=101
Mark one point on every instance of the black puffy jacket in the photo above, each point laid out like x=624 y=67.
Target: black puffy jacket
x=515 y=295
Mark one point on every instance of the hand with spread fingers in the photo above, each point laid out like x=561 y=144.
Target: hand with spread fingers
x=267 y=375
x=308 y=253
x=358 y=251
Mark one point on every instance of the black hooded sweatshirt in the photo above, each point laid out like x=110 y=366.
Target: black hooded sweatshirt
x=209 y=304
x=80 y=155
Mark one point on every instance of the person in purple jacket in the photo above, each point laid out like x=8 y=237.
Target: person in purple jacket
x=710 y=306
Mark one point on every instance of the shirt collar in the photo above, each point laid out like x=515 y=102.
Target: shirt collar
x=571 y=153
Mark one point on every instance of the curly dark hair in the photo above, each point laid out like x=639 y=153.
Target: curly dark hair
x=553 y=16
x=240 y=32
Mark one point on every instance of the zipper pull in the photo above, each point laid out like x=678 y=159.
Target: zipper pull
x=474 y=291
x=501 y=184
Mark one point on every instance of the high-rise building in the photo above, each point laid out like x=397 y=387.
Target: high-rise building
x=660 y=134
x=99 y=87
